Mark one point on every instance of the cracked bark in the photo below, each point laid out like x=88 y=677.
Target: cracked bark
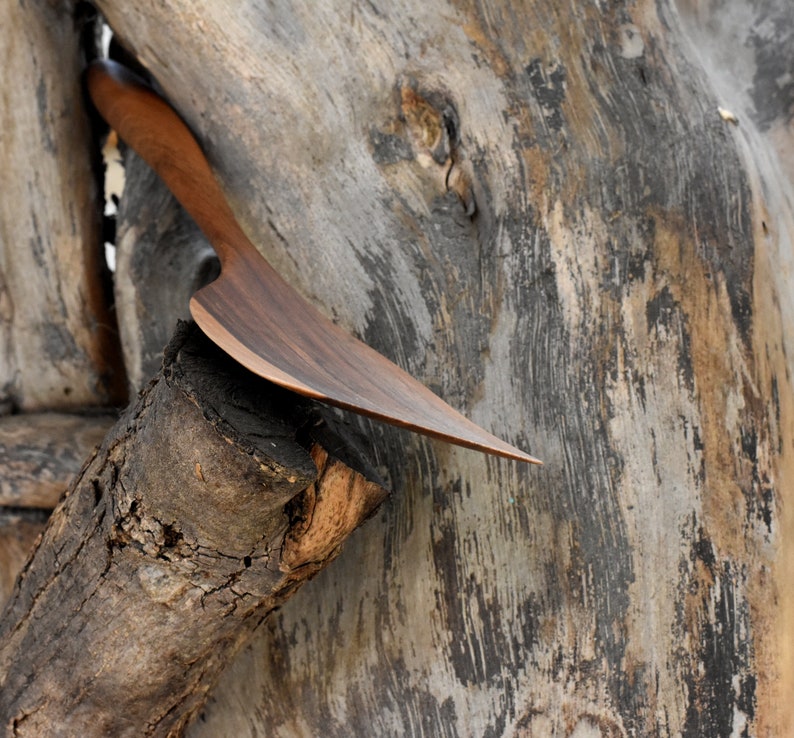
x=199 y=514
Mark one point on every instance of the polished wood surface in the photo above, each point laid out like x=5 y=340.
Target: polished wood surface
x=250 y=311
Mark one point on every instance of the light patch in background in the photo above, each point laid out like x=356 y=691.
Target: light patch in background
x=114 y=186
x=114 y=167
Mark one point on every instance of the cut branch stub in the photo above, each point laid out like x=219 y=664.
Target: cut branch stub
x=327 y=511
x=168 y=551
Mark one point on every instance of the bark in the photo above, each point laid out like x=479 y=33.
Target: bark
x=539 y=211
x=198 y=516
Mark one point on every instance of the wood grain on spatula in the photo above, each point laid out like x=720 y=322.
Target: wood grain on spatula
x=249 y=310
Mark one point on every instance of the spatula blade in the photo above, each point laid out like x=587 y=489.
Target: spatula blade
x=249 y=311
x=258 y=319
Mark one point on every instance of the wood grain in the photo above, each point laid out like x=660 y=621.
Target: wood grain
x=629 y=253
x=58 y=343
x=250 y=311
x=40 y=453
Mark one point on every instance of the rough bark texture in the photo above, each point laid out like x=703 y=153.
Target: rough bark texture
x=537 y=209
x=199 y=515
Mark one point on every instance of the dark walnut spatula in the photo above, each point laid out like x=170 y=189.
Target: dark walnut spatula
x=249 y=310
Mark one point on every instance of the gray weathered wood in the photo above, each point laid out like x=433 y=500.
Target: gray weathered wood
x=40 y=453
x=539 y=210
x=617 y=304
x=58 y=344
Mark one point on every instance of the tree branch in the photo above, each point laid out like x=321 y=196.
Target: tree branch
x=198 y=516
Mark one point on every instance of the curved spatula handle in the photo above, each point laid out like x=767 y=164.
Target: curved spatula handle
x=250 y=311
x=156 y=132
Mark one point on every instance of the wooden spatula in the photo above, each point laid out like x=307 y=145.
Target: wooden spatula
x=249 y=310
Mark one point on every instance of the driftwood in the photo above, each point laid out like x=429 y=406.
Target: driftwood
x=198 y=516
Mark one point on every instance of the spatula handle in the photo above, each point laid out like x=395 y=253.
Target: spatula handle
x=153 y=128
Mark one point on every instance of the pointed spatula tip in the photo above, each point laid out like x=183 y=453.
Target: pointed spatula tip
x=502 y=449
x=521 y=456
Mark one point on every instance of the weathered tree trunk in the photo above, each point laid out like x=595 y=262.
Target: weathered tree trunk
x=58 y=343
x=614 y=303
x=539 y=210
x=199 y=515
